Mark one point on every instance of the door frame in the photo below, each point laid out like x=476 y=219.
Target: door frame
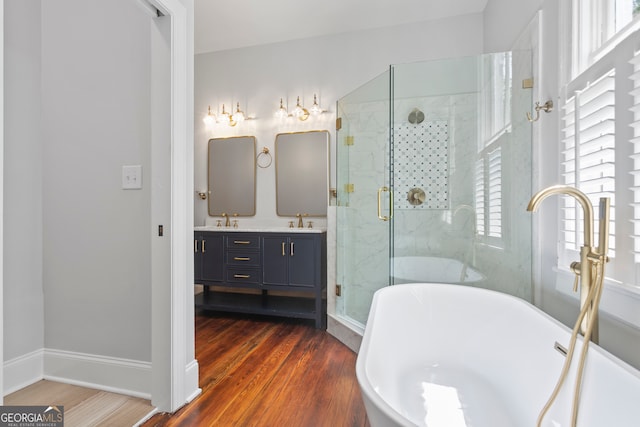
x=175 y=375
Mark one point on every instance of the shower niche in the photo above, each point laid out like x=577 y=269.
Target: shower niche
x=434 y=173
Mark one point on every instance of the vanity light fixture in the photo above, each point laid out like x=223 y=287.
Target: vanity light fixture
x=299 y=111
x=226 y=118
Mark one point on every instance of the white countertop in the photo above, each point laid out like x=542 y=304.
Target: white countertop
x=258 y=229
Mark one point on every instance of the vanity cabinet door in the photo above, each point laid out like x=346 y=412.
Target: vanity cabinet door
x=209 y=256
x=304 y=260
x=291 y=260
x=275 y=259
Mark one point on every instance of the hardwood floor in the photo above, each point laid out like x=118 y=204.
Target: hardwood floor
x=267 y=372
x=83 y=407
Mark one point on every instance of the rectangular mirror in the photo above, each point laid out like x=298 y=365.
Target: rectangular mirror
x=302 y=173
x=232 y=176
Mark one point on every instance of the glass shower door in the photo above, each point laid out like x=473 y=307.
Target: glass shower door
x=363 y=197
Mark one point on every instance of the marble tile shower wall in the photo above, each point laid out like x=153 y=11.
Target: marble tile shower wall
x=431 y=232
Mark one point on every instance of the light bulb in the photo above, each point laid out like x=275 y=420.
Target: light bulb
x=298 y=111
x=224 y=116
x=210 y=119
x=238 y=116
x=281 y=113
x=315 y=108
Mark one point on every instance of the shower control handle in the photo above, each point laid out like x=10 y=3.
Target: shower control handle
x=380 y=191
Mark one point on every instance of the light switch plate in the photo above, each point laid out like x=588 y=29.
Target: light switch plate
x=132 y=177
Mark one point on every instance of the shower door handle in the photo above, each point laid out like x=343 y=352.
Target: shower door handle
x=380 y=191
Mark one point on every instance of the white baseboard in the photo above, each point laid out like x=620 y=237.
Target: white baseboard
x=191 y=381
x=23 y=371
x=130 y=377
x=124 y=376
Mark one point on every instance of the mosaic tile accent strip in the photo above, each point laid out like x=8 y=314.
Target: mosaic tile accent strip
x=421 y=160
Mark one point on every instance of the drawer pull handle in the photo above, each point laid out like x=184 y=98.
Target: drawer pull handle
x=241 y=258
x=203 y=248
x=241 y=242
x=241 y=276
x=282 y=248
x=195 y=246
x=291 y=250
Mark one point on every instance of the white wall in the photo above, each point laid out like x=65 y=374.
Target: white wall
x=23 y=142
x=500 y=33
x=330 y=67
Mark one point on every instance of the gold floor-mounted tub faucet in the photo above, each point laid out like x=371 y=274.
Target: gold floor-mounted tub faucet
x=592 y=259
x=590 y=273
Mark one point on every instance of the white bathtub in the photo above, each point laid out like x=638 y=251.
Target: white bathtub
x=456 y=356
x=425 y=269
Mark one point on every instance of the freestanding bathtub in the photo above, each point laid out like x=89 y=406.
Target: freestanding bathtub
x=441 y=355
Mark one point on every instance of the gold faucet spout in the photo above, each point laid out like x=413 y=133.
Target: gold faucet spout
x=582 y=198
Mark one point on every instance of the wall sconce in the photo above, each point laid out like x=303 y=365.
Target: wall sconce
x=225 y=118
x=299 y=111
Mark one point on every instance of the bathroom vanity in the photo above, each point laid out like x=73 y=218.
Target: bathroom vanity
x=278 y=272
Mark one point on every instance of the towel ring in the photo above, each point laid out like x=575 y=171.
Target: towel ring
x=266 y=158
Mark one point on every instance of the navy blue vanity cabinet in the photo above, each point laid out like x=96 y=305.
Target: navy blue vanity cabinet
x=275 y=274
x=208 y=255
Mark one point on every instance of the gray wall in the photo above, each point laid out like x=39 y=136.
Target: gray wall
x=96 y=241
x=23 y=215
x=615 y=336
x=77 y=266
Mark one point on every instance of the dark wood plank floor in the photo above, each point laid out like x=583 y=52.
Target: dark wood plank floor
x=267 y=372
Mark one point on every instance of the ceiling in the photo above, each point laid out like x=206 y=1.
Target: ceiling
x=221 y=25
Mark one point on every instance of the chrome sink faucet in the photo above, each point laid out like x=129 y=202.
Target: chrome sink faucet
x=592 y=259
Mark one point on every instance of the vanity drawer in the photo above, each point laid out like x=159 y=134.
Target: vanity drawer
x=243 y=242
x=243 y=275
x=243 y=258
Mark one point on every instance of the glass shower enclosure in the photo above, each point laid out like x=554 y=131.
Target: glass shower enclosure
x=434 y=173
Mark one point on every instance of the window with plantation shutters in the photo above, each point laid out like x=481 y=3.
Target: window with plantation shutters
x=495 y=193
x=589 y=154
x=488 y=196
x=495 y=99
x=600 y=143
x=480 y=193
